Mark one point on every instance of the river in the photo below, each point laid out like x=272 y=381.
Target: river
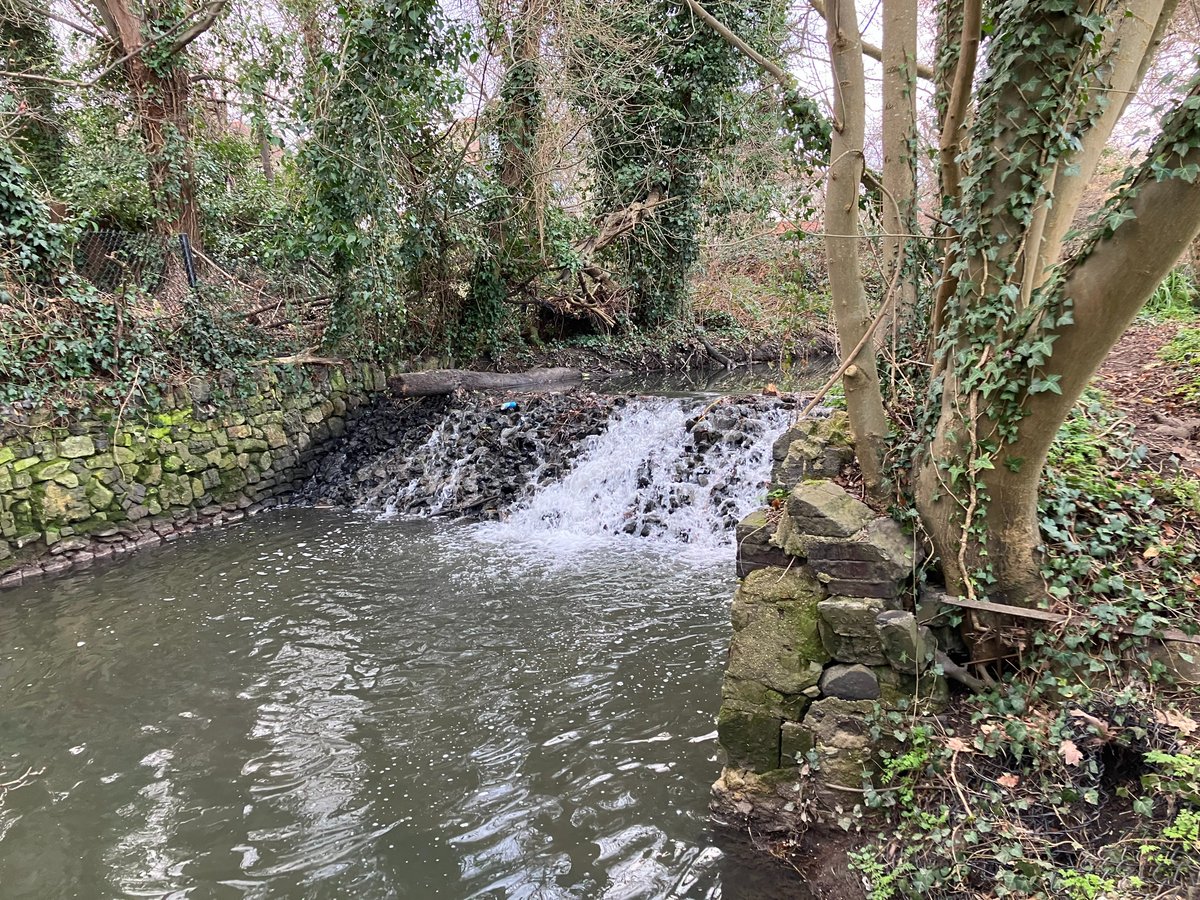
x=321 y=703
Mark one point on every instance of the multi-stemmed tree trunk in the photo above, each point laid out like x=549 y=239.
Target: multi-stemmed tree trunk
x=1021 y=330
x=1016 y=329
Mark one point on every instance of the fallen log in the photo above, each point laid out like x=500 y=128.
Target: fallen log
x=447 y=381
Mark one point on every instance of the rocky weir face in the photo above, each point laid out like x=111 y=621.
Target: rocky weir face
x=682 y=470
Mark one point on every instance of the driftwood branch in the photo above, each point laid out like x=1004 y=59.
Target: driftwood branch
x=446 y=381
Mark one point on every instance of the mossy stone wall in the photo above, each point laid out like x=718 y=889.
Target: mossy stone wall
x=83 y=488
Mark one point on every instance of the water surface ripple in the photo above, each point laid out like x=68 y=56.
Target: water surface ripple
x=316 y=704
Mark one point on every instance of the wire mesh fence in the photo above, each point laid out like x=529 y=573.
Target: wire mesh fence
x=151 y=267
x=159 y=275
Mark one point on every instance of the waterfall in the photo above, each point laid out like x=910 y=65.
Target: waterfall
x=654 y=474
x=563 y=472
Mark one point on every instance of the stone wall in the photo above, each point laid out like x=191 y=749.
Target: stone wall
x=826 y=633
x=84 y=488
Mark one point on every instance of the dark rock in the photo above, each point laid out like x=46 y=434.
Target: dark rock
x=850 y=682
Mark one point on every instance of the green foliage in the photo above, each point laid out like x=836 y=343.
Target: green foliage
x=104 y=180
x=1176 y=298
x=383 y=201
x=29 y=242
x=1018 y=799
x=675 y=113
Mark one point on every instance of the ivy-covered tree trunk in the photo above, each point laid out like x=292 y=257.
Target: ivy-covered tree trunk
x=153 y=40
x=1025 y=332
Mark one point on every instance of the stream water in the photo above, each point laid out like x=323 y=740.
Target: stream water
x=323 y=703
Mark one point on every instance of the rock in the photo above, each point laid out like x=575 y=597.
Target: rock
x=824 y=508
x=1182 y=661
x=850 y=682
x=841 y=738
x=51 y=470
x=795 y=742
x=750 y=696
x=76 y=446
x=754 y=550
x=931 y=608
x=847 y=626
x=64 y=504
x=816 y=448
x=874 y=563
x=750 y=740
x=99 y=496
x=907 y=646
x=776 y=641
x=928 y=694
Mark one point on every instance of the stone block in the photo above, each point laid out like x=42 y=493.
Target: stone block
x=813 y=449
x=848 y=630
x=51 y=470
x=275 y=435
x=750 y=740
x=841 y=738
x=776 y=641
x=907 y=646
x=824 y=508
x=99 y=496
x=76 y=446
x=928 y=693
x=795 y=743
x=873 y=563
x=754 y=550
x=850 y=682
x=750 y=696
x=63 y=504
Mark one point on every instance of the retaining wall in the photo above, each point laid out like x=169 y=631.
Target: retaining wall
x=85 y=488
x=826 y=635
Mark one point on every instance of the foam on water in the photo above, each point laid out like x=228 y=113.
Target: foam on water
x=650 y=477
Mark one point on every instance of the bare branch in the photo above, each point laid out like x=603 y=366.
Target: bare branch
x=924 y=72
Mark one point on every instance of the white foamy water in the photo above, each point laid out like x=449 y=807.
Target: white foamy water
x=647 y=478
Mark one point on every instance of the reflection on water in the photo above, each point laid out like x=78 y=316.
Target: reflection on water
x=314 y=705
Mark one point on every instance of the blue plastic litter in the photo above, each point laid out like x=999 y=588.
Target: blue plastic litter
x=510 y=405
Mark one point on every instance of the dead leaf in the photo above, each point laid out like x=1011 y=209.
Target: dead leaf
x=958 y=745
x=1151 y=552
x=1008 y=781
x=1185 y=725
x=1070 y=753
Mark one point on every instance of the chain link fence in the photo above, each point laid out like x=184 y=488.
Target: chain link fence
x=159 y=275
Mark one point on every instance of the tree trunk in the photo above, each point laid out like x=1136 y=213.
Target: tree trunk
x=160 y=95
x=446 y=381
x=899 y=164
x=864 y=402
x=162 y=104
x=996 y=523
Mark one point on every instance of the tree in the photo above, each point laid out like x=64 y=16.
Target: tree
x=1018 y=325
x=151 y=41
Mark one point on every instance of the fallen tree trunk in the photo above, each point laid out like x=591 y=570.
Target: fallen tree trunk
x=447 y=381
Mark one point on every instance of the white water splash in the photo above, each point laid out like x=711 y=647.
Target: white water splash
x=645 y=477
